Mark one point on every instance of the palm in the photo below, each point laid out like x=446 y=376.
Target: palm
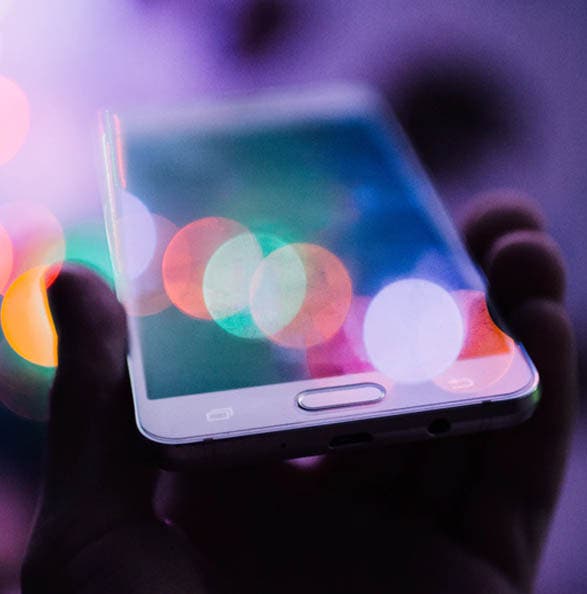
x=396 y=523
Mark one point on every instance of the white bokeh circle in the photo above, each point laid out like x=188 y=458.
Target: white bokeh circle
x=228 y=276
x=138 y=233
x=278 y=290
x=413 y=330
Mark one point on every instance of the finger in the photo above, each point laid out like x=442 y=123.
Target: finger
x=494 y=214
x=92 y=439
x=509 y=510
x=523 y=265
x=533 y=453
x=522 y=467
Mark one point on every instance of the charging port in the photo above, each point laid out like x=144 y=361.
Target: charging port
x=352 y=439
x=439 y=427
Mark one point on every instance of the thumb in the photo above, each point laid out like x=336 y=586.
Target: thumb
x=93 y=444
x=95 y=478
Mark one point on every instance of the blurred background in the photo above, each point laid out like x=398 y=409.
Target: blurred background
x=492 y=93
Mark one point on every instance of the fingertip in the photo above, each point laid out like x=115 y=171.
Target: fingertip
x=546 y=330
x=90 y=323
x=78 y=295
x=524 y=265
x=493 y=214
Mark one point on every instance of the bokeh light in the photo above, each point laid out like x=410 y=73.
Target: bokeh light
x=139 y=237
x=24 y=385
x=353 y=327
x=6 y=258
x=487 y=351
x=413 y=330
x=26 y=319
x=278 y=290
x=86 y=244
x=345 y=352
x=186 y=258
x=35 y=233
x=326 y=303
x=227 y=280
x=147 y=294
x=14 y=118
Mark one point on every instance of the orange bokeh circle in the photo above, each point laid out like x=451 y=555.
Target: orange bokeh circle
x=327 y=301
x=186 y=258
x=26 y=319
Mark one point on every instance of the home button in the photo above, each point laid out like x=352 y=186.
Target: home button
x=340 y=396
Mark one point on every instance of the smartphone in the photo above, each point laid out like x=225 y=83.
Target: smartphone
x=294 y=285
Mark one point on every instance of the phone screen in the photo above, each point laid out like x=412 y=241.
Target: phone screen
x=257 y=255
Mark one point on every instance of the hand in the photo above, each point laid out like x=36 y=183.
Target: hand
x=466 y=514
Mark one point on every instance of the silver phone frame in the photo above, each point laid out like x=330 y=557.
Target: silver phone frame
x=462 y=416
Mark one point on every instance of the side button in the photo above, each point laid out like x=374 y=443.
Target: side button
x=340 y=396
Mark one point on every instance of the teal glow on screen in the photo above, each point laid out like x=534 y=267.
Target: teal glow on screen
x=289 y=253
